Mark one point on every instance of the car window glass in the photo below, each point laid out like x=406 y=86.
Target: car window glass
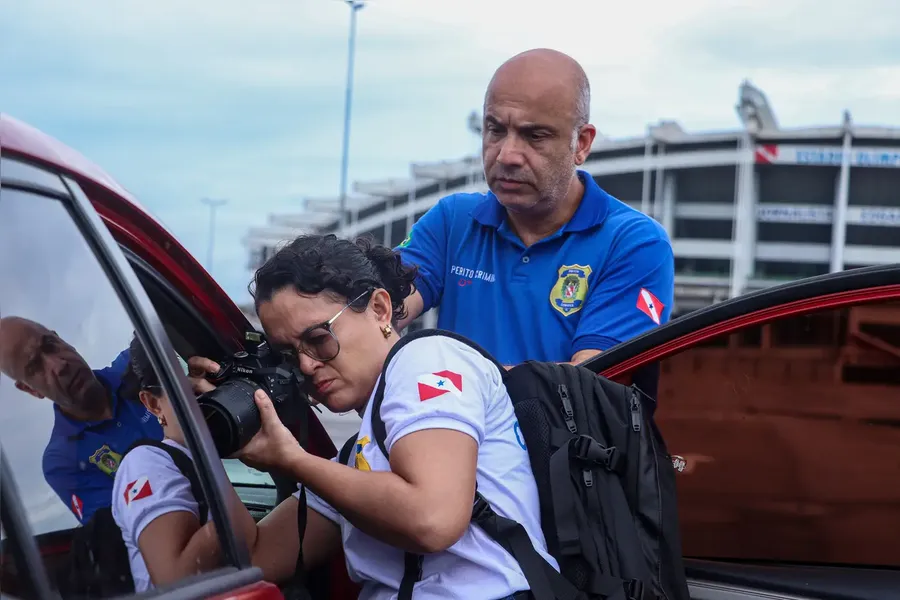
x=239 y=473
x=256 y=488
x=69 y=394
x=790 y=435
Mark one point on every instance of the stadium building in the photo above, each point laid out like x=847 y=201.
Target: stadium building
x=745 y=209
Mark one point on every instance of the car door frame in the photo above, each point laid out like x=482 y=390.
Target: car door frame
x=707 y=578
x=866 y=284
x=237 y=571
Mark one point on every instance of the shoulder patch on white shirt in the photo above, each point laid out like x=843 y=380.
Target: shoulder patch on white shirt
x=137 y=489
x=432 y=385
x=436 y=382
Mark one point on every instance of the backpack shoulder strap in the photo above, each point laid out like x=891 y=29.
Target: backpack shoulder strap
x=545 y=582
x=187 y=468
x=299 y=569
x=347 y=449
x=378 y=428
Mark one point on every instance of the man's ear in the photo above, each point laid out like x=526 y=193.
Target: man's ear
x=583 y=142
x=24 y=387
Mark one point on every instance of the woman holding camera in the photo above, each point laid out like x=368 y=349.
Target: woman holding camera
x=332 y=304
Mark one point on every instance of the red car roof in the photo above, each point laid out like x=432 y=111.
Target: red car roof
x=131 y=224
x=21 y=138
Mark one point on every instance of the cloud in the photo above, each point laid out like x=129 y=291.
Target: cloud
x=211 y=98
x=796 y=35
x=810 y=63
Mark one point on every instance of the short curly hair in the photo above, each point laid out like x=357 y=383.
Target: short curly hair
x=315 y=263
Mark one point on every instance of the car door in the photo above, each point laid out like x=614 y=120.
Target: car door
x=200 y=319
x=781 y=409
x=71 y=307
x=192 y=333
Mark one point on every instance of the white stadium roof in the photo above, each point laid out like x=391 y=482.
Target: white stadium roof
x=753 y=109
x=257 y=237
x=387 y=187
x=332 y=204
x=446 y=169
x=307 y=219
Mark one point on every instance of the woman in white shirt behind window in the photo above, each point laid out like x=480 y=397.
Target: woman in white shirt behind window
x=159 y=512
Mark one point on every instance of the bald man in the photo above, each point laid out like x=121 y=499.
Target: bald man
x=545 y=266
x=92 y=425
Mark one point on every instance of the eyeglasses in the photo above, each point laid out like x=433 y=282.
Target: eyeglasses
x=319 y=341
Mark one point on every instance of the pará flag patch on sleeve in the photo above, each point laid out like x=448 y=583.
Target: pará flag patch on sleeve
x=137 y=489
x=432 y=385
x=77 y=507
x=650 y=305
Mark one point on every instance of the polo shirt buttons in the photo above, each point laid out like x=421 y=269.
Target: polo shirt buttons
x=525 y=259
x=119 y=424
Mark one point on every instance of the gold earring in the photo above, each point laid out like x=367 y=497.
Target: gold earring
x=386 y=331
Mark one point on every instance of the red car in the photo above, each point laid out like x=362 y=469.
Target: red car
x=781 y=407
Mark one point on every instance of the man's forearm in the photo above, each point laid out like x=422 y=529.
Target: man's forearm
x=580 y=357
x=388 y=509
x=583 y=355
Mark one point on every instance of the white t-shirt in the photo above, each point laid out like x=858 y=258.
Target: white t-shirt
x=148 y=485
x=438 y=382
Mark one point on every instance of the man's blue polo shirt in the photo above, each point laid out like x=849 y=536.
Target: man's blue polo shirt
x=606 y=276
x=81 y=458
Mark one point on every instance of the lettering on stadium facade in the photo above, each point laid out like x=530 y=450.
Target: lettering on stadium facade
x=826 y=156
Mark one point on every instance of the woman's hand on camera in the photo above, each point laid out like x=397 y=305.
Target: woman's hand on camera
x=198 y=368
x=273 y=444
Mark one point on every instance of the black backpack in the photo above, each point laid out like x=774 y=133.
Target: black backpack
x=97 y=565
x=605 y=480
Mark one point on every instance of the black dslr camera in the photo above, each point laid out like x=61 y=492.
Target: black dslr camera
x=230 y=411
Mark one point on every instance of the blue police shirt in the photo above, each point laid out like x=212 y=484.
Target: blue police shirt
x=606 y=276
x=81 y=458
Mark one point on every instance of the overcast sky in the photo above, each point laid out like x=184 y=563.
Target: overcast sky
x=244 y=100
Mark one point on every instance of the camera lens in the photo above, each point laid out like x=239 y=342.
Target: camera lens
x=231 y=414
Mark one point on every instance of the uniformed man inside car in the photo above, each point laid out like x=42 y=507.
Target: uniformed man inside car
x=94 y=423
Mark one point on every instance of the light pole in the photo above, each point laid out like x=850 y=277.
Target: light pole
x=355 y=6
x=213 y=204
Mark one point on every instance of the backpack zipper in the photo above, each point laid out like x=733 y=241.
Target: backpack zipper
x=635 y=412
x=563 y=392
